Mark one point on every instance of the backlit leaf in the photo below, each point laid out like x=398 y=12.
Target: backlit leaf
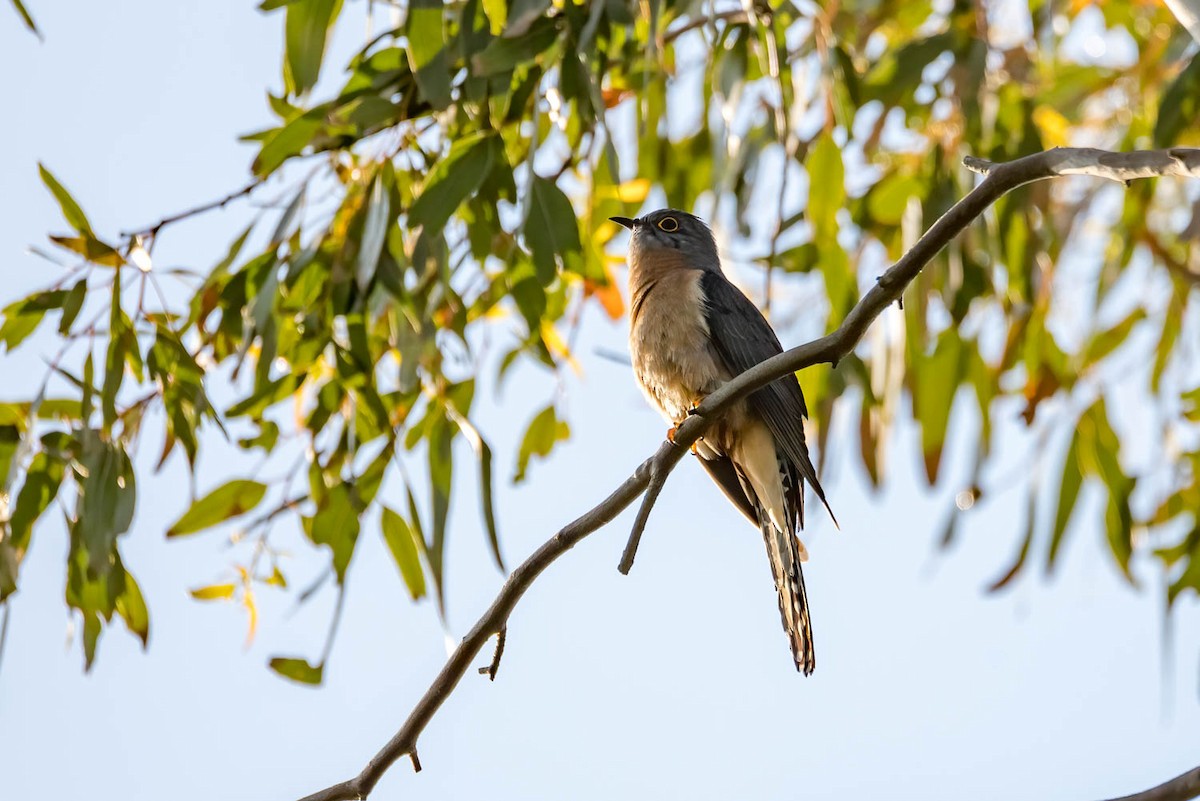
x=226 y=501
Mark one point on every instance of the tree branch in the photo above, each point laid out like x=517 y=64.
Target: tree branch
x=1001 y=179
x=1182 y=788
x=151 y=231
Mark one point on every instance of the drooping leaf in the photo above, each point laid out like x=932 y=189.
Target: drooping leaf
x=71 y=211
x=427 y=54
x=1180 y=106
x=543 y=432
x=1068 y=493
x=226 y=501
x=107 y=498
x=401 y=542
x=336 y=524
x=552 y=230
x=26 y=18
x=454 y=179
x=306 y=33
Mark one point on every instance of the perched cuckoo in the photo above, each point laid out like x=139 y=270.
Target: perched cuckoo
x=690 y=331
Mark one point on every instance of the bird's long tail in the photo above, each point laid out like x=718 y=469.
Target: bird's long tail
x=784 y=553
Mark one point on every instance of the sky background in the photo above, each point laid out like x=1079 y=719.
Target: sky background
x=672 y=682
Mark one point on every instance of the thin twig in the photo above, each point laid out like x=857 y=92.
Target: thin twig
x=1001 y=179
x=738 y=17
x=658 y=480
x=153 y=230
x=491 y=669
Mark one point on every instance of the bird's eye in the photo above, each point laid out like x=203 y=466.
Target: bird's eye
x=669 y=224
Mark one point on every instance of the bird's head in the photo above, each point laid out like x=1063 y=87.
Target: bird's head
x=674 y=232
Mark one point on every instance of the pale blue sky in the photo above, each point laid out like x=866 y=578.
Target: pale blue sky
x=672 y=682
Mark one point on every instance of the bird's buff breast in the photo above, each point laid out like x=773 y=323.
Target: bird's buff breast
x=668 y=342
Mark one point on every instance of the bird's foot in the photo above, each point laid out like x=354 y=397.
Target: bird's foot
x=671 y=438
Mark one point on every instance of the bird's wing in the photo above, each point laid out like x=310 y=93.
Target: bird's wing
x=742 y=338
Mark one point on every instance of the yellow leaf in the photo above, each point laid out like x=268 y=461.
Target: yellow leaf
x=1053 y=126
x=251 y=614
x=607 y=293
x=558 y=346
x=213 y=592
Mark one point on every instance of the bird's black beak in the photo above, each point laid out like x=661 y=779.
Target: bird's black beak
x=625 y=221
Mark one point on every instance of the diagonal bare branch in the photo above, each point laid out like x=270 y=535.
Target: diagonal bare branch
x=1000 y=179
x=1184 y=787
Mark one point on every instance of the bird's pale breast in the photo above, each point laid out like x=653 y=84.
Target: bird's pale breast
x=668 y=340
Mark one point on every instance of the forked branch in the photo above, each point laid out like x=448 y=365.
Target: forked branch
x=1000 y=179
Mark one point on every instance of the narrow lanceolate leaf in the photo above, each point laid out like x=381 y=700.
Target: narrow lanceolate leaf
x=552 y=230
x=375 y=228
x=71 y=211
x=26 y=18
x=226 y=501
x=483 y=453
x=441 y=481
x=1180 y=105
x=401 y=541
x=1068 y=493
x=827 y=188
x=298 y=670
x=427 y=54
x=306 y=33
x=1023 y=552
x=131 y=606
x=455 y=178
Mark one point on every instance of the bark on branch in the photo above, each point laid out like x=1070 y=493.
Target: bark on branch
x=1000 y=179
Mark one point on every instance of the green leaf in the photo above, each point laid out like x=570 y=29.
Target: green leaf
x=889 y=198
x=375 y=228
x=544 y=431
x=70 y=209
x=214 y=592
x=1105 y=342
x=131 y=606
x=1023 y=551
x=72 y=305
x=284 y=142
x=10 y=440
x=936 y=383
x=503 y=54
x=306 y=33
x=42 y=481
x=107 y=498
x=336 y=524
x=552 y=230
x=827 y=188
x=401 y=541
x=1068 y=493
x=297 y=669
x=455 y=178
x=1180 y=106
x=497 y=15
x=26 y=18
x=441 y=483
x=427 y=56
x=91 y=248
x=228 y=500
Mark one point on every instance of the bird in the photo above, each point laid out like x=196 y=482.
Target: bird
x=690 y=331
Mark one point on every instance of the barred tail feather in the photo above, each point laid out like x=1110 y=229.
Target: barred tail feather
x=784 y=553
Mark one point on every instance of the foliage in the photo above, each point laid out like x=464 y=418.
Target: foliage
x=478 y=149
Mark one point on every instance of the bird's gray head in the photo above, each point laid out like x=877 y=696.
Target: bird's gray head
x=673 y=232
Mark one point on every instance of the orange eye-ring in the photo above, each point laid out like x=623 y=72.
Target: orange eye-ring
x=669 y=224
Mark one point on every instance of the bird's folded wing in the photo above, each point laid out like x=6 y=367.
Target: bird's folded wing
x=741 y=338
